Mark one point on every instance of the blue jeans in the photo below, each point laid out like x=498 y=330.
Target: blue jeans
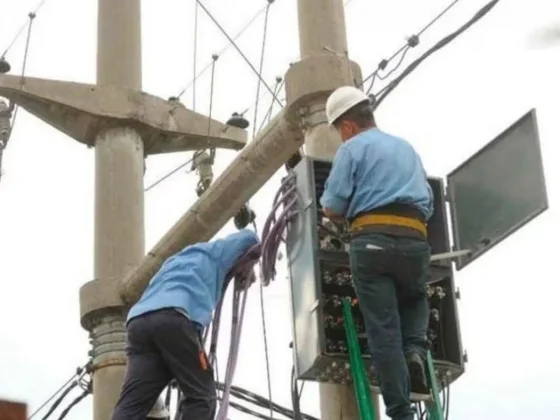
x=390 y=275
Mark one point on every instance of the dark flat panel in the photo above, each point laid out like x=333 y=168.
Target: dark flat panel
x=438 y=234
x=498 y=190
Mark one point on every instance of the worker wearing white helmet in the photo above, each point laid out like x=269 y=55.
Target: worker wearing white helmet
x=378 y=184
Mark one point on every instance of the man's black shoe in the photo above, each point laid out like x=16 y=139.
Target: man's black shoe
x=417 y=372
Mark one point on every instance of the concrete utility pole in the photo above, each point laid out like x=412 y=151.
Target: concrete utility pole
x=119 y=192
x=322 y=30
x=124 y=125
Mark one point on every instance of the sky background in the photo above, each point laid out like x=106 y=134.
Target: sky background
x=453 y=104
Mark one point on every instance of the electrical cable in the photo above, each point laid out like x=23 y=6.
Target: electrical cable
x=261 y=65
x=238 y=49
x=167 y=175
x=75 y=402
x=246 y=410
x=443 y=42
x=268 y=115
x=274 y=227
x=23 y=28
x=195 y=52
x=278 y=83
x=412 y=42
x=262 y=402
x=243 y=276
x=223 y=50
x=29 y=26
x=78 y=372
x=261 y=291
x=265 y=342
x=203 y=183
x=59 y=400
x=295 y=396
x=403 y=55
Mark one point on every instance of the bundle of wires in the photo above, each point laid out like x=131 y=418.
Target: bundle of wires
x=243 y=276
x=261 y=402
x=77 y=380
x=274 y=227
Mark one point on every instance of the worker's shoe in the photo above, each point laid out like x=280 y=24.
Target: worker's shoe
x=417 y=372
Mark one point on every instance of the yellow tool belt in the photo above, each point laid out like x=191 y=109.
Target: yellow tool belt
x=388 y=219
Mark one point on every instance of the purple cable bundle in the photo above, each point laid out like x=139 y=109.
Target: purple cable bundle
x=244 y=276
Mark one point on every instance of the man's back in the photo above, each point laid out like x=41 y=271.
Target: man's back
x=192 y=279
x=383 y=170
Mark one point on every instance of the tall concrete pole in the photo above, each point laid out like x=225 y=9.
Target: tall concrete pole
x=322 y=31
x=119 y=195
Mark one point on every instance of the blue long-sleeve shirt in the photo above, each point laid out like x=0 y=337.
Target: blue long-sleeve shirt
x=374 y=169
x=191 y=280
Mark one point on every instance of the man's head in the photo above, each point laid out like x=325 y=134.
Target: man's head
x=349 y=111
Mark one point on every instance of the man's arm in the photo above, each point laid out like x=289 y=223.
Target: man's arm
x=339 y=186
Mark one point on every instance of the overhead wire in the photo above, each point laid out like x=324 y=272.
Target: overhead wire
x=222 y=51
x=192 y=160
x=22 y=29
x=76 y=401
x=261 y=291
x=168 y=174
x=262 y=402
x=32 y=16
x=69 y=383
x=239 y=49
x=268 y=115
x=412 y=42
x=59 y=400
x=195 y=53
x=443 y=42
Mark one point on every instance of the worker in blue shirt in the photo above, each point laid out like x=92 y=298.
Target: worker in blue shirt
x=164 y=329
x=378 y=184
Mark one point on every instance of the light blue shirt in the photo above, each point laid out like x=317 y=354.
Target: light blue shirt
x=374 y=169
x=192 y=280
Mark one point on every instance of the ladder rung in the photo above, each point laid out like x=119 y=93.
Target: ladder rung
x=414 y=397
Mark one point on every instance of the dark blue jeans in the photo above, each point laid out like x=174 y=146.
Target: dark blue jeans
x=390 y=275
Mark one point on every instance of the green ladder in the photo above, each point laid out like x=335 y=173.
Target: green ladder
x=361 y=382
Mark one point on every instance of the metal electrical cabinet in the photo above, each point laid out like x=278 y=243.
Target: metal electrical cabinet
x=488 y=197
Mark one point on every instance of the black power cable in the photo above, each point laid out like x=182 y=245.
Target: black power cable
x=75 y=402
x=59 y=400
x=262 y=402
x=70 y=383
x=389 y=88
x=411 y=42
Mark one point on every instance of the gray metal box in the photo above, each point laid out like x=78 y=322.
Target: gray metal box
x=314 y=361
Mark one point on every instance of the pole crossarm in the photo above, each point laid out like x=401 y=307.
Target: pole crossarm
x=82 y=111
x=249 y=171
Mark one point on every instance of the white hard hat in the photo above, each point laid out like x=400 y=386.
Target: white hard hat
x=342 y=99
x=158 y=411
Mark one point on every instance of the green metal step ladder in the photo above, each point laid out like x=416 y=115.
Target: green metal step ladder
x=360 y=379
